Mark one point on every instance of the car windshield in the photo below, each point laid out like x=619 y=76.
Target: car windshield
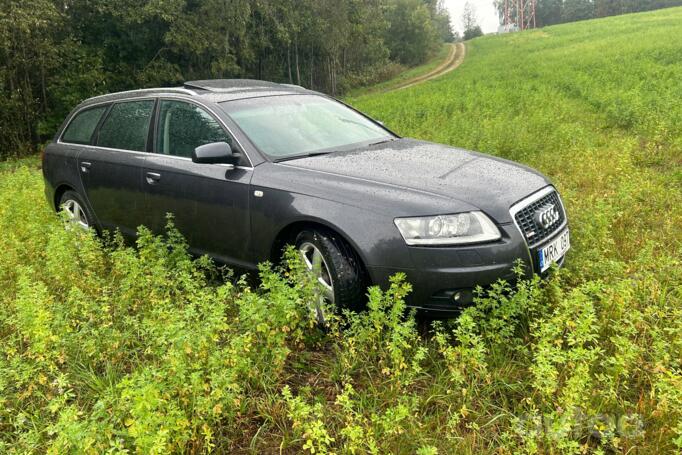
x=290 y=126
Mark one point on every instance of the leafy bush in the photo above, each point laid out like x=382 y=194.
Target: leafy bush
x=106 y=347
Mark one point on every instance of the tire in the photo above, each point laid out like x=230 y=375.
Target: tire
x=78 y=212
x=345 y=270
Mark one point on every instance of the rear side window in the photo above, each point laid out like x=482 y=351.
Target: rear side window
x=127 y=125
x=82 y=126
x=184 y=127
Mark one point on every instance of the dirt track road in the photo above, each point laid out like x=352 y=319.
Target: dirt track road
x=455 y=58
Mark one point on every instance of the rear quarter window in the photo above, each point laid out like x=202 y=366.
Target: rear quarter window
x=81 y=127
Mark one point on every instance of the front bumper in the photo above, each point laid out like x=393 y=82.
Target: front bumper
x=441 y=272
x=444 y=278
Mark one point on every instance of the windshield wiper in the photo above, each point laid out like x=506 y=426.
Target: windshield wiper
x=353 y=122
x=302 y=155
x=390 y=139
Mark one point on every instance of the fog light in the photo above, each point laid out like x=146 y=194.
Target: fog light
x=457 y=296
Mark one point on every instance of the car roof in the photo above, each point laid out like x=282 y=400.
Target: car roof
x=214 y=90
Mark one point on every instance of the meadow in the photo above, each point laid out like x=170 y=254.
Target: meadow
x=106 y=348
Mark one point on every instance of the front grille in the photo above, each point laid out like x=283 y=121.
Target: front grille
x=533 y=231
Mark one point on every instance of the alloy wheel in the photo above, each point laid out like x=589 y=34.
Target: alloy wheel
x=317 y=267
x=75 y=213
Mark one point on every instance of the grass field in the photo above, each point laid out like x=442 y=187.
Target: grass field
x=120 y=350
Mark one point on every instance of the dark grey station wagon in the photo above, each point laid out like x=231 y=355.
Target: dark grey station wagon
x=247 y=167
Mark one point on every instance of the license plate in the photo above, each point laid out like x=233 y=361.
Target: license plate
x=554 y=251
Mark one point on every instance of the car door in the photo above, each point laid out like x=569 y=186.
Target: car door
x=209 y=202
x=111 y=169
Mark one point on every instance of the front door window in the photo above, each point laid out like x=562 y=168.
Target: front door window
x=184 y=127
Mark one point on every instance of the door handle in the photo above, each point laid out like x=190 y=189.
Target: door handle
x=85 y=166
x=153 y=177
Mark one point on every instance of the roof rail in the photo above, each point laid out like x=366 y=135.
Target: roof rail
x=195 y=85
x=148 y=90
x=231 y=85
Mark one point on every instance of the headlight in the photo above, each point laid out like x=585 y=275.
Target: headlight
x=469 y=227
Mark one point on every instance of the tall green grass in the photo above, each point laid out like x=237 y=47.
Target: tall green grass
x=109 y=349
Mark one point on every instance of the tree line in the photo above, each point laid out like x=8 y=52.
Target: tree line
x=54 y=53
x=550 y=12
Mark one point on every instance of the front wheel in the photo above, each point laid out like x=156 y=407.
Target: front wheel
x=336 y=268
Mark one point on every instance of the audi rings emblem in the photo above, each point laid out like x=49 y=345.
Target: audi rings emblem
x=546 y=216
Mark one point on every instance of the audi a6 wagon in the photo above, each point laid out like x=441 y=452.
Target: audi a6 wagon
x=247 y=167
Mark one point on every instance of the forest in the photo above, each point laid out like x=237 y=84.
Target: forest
x=55 y=53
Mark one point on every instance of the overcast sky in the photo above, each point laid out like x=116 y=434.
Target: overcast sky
x=485 y=12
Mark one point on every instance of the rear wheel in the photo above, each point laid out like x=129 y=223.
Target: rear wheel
x=337 y=270
x=77 y=212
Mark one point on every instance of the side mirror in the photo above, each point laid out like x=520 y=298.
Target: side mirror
x=214 y=153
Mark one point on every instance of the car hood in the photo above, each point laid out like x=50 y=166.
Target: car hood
x=428 y=176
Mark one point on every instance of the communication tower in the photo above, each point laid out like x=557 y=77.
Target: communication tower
x=519 y=15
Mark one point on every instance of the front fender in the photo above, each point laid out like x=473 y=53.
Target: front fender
x=374 y=237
